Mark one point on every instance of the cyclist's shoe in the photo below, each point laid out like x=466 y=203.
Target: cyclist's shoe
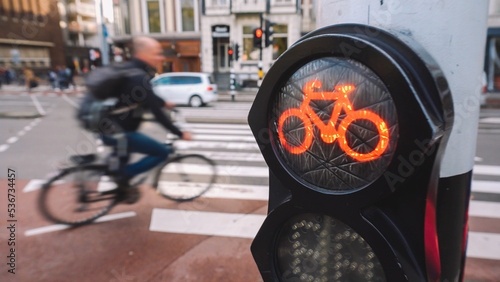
x=133 y=195
x=129 y=194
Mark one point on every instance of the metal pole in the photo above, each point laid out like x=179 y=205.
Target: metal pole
x=102 y=36
x=454 y=33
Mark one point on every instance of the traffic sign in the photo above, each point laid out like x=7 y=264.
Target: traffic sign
x=358 y=120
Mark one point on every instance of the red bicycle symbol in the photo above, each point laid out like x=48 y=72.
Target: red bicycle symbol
x=328 y=132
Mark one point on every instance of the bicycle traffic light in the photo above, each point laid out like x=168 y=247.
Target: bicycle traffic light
x=268 y=33
x=352 y=122
x=257 y=37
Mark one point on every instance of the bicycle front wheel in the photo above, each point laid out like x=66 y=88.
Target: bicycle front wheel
x=78 y=195
x=185 y=177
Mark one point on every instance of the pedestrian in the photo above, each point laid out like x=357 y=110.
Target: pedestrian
x=53 y=79
x=9 y=76
x=70 y=75
x=30 y=80
x=62 y=77
x=2 y=75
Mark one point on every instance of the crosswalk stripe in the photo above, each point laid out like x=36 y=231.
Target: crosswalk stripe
x=221 y=131
x=486 y=186
x=239 y=138
x=206 y=223
x=490 y=120
x=484 y=209
x=486 y=170
x=222 y=170
x=483 y=245
x=218 y=190
x=224 y=156
x=212 y=145
x=218 y=125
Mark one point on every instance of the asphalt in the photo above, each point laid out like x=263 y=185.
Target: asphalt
x=240 y=95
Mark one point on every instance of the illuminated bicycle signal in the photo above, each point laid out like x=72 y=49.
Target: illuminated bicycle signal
x=328 y=131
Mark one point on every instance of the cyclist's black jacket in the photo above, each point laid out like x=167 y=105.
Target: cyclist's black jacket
x=138 y=90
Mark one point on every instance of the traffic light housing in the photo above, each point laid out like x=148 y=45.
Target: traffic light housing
x=268 y=33
x=230 y=53
x=352 y=122
x=236 y=51
x=257 y=37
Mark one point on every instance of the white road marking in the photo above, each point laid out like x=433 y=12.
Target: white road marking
x=12 y=140
x=483 y=245
x=219 y=137
x=218 y=190
x=4 y=147
x=222 y=170
x=212 y=145
x=69 y=101
x=228 y=156
x=206 y=223
x=486 y=170
x=34 y=185
x=219 y=125
x=484 y=209
x=486 y=186
x=221 y=131
x=57 y=227
x=38 y=106
x=490 y=120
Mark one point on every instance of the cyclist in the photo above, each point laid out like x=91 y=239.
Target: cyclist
x=136 y=90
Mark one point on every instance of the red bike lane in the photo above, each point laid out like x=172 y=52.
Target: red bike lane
x=125 y=249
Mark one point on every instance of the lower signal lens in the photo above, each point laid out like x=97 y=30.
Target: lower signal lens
x=319 y=248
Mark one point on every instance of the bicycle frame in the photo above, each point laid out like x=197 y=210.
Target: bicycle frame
x=328 y=131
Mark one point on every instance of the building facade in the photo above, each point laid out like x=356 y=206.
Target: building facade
x=80 y=33
x=174 y=23
x=30 y=35
x=229 y=23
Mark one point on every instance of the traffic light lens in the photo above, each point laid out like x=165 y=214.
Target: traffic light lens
x=314 y=247
x=334 y=124
x=258 y=33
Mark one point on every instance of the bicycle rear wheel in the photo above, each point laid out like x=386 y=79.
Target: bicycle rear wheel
x=185 y=177
x=78 y=195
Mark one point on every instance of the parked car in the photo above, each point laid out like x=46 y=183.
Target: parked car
x=187 y=88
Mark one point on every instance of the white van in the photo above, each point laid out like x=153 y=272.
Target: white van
x=187 y=88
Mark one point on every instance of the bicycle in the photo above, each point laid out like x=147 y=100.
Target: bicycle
x=81 y=193
x=328 y=132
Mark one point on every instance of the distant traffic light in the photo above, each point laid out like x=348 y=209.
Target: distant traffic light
x=230 y=53
x=268 y=40
x=236 y=51
x=257 y=37
x=356 y=137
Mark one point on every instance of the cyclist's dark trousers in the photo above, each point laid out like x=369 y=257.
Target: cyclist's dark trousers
x=139 y=143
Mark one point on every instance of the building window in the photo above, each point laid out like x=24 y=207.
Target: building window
x=153 y=16
x=122 y=17
x=250 y=53
x=280 y=37
x=187 y=15
x=187 y=11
